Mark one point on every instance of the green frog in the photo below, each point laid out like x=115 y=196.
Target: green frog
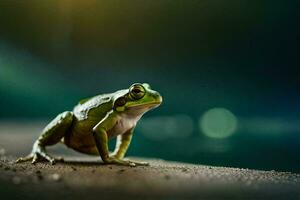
x=96 y=120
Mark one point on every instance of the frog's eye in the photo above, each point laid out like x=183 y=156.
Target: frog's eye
x=120 y=102
x=137 y=91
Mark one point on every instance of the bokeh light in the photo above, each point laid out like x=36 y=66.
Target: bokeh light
x=218 y=123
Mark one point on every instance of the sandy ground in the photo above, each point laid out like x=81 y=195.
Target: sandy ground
x=83 y=177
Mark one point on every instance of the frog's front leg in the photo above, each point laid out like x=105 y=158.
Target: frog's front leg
x=51 y=135
x=123 y=142
x=101 y=140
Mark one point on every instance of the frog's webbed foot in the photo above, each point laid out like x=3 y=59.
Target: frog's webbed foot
x=36 y=157
x=138 y=163
x=119 y=161
x=39 y=153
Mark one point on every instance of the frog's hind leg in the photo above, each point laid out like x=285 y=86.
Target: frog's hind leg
x=52 y=134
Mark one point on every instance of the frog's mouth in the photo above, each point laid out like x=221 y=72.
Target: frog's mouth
x=146 y=105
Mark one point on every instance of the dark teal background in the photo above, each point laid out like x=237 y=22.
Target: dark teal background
x=241 y=55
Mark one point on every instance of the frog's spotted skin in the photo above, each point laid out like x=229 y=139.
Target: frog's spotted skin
x=94 y=121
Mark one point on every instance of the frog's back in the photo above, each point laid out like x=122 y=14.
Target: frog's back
x=94 y=107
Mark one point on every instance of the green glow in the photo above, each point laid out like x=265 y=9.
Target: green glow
x=218 y=123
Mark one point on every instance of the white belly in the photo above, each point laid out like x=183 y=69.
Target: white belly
x=124 y=124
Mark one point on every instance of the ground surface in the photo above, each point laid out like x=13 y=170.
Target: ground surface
x=86 y=178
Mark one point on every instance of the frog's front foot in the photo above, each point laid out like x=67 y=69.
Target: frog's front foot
x=126 y=162
x=39 y=153
x=117 y=161
x=138 y=163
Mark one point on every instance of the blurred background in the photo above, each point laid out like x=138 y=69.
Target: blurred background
x=228 y=72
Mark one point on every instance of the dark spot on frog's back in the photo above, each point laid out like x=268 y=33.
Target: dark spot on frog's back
x=106 y=98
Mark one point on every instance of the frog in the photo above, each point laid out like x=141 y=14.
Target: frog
x=96 y=120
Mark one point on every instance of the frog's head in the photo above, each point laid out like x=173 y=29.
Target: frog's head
x=139 y=98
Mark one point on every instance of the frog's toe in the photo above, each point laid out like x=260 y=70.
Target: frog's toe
x=127 y=163
x=24 y=159
x=52 y=160
x=59 y=159
x=46 y=156
x=142 y=163
x=35 y=159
